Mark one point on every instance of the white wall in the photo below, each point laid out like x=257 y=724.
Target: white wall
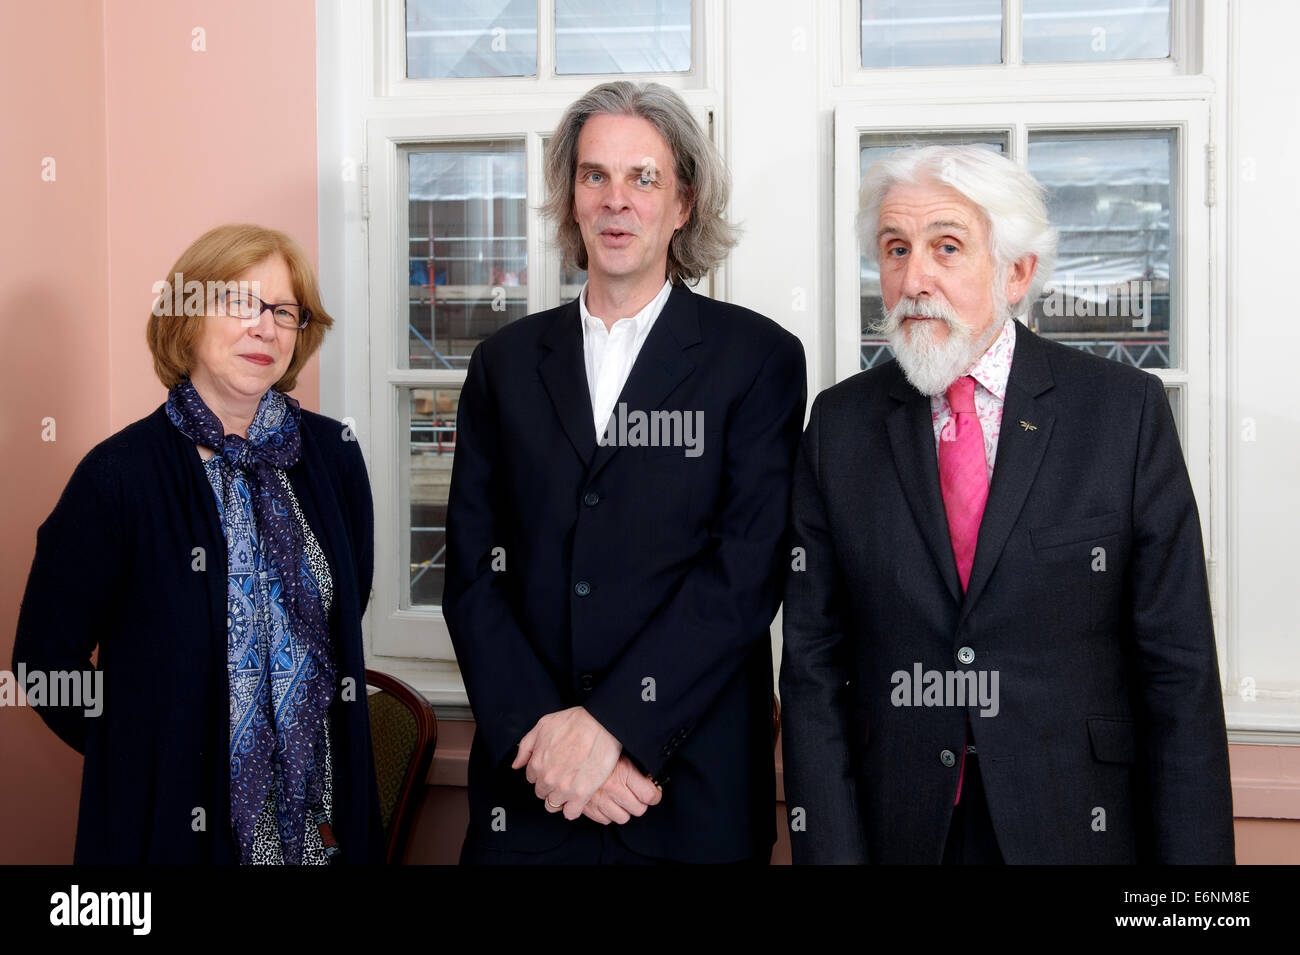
x=1261 y=179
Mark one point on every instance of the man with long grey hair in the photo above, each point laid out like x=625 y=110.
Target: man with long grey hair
x=616 y=520
x=998 y=645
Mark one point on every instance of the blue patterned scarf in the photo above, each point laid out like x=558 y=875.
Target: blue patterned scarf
x=280 y=667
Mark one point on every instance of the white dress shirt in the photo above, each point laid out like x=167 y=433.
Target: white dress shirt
x=990 y=372
x=609 y=353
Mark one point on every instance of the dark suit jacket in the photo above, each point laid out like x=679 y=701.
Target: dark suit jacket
x=1088 y=597
x=625 y=565
x=115 y=567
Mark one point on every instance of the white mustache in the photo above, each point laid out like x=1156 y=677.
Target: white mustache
x=924 y=307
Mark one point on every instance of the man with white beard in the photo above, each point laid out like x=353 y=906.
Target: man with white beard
x=994 y=514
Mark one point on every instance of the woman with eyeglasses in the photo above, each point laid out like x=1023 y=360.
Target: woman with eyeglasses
x=218 y=553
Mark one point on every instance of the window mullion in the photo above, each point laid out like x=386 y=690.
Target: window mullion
x=543 y=274
x=1012 y=21
x=545 y=41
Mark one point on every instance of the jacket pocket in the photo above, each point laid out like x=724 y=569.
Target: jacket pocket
x=1090 y=528
x=1112 y=739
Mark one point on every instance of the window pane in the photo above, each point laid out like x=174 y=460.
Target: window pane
x=454 y=38
x=1112 y=198
x=1057 y=31
x=1175 y=395
x=931 y=32
x=466 y=228
x=873 y=146
x=431 y=440
x=635 y=36
x=571 y=282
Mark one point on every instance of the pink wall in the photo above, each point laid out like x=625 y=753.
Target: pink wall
x=196 y=139
x=136 y=122
x=53 y=301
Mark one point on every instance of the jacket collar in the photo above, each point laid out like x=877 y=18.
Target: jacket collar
x=659 y=368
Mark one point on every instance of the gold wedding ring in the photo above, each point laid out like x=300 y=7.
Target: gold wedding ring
x=552 y=805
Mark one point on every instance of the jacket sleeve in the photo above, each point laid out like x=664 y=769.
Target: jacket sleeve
x=725 y=604
x=509 y=687
x=72 y=588
x=1181 y=724
x=820 y=786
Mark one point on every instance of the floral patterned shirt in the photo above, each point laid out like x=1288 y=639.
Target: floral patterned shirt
x=990 y=372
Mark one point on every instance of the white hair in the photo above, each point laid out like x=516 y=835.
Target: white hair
x=1012 y=202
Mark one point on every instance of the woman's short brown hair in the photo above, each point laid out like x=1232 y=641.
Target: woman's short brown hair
x=221 y=255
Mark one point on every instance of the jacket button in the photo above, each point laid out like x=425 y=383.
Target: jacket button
x=582 y=588
x=587 y=682
x=591 y=499
x=966 y=655
x=947 y=758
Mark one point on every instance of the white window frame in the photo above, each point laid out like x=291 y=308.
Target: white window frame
x=422 y=633
x=391 y=79
x=1013 y=72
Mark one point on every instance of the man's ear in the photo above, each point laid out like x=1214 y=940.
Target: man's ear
x=1020 y=274
x=688 y=203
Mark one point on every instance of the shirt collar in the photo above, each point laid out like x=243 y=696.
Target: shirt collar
x=994 y=366
x=642 y=318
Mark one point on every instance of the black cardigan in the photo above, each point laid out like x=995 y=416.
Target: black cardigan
x=116 y=566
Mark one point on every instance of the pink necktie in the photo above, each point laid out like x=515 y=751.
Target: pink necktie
x=963 y=478
x=963 y=474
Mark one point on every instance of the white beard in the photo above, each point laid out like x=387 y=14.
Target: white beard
x=929 y=364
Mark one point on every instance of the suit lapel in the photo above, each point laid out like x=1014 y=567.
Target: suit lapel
x=564 y=375
x=1020 y=453
x=911 y=436
x=660 y=366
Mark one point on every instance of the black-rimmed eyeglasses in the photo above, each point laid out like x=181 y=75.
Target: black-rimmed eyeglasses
x=247 y=306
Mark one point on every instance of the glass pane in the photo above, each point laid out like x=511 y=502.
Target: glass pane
x=1175 y=395
x=431 y=442
x=1059 y=31
x=931 y=32
x=454 y=38
x=874 y=146
x=1112 y=198
x=571 y=282
x=468 y=265
x=636 y=36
